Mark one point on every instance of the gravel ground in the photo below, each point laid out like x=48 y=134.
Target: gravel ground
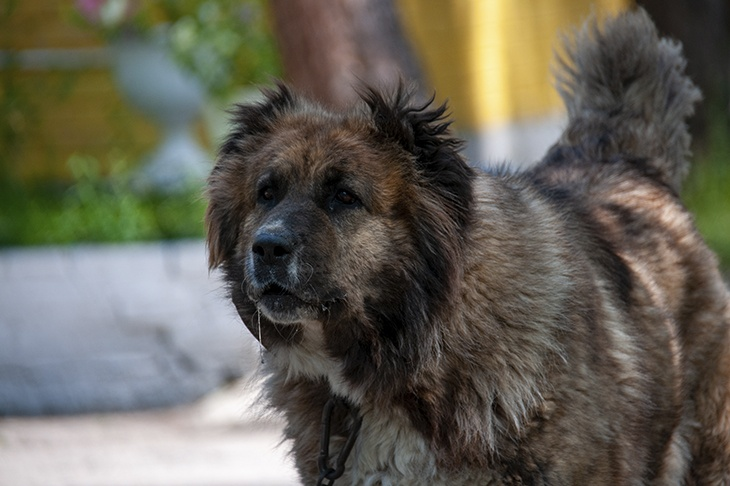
x=219 y=440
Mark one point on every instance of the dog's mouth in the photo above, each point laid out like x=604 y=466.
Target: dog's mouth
x=278 y=296
x=276 y=290
x=282 y=305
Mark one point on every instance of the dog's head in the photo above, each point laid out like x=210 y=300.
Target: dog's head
x=322 y=218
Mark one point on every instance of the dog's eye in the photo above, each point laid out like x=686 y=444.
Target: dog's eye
x=267 y=193
x=346 y=197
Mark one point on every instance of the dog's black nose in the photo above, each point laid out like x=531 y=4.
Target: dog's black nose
x=271 y=248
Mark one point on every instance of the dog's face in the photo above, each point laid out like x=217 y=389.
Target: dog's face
x=321 y=217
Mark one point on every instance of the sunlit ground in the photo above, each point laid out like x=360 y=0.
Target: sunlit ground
x=217 y=442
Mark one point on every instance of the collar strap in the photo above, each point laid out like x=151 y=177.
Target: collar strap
x=328 y=474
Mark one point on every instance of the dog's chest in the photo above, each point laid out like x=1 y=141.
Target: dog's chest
x=310 y=360
x=389 y=451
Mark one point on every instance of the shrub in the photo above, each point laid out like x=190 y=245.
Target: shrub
x=96 y=208
x=707 y=190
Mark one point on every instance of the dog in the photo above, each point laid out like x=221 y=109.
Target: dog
x=427 y=323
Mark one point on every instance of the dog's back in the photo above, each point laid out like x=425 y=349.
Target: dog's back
x=621 y=160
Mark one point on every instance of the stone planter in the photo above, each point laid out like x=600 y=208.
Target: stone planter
x=172 y=98
x=114 y=327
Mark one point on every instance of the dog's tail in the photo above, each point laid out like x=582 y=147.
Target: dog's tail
x=627 y=94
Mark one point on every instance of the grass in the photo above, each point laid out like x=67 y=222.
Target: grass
x=707 y=191
x=94 y=209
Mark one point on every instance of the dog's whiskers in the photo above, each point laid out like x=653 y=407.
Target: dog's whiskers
x=311 y=272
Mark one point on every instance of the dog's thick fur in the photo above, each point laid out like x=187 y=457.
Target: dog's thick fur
x=564 y=325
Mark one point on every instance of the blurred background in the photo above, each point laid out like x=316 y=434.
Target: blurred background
x=118 y=351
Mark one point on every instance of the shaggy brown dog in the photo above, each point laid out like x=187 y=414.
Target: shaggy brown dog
x=565 y=325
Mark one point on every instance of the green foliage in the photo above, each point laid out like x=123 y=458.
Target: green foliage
x=226 y=44
x=96 y=208
x=707 y=191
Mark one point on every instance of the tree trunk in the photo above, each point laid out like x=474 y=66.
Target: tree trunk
x=330 y=48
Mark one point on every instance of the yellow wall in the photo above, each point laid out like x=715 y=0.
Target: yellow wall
x=52 y=113
x=491 y=58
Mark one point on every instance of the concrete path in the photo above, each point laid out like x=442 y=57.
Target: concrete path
x=217 y=441
x=90 y=328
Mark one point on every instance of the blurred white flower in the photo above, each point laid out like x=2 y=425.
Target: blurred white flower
x=112 y=13
x=107 y=14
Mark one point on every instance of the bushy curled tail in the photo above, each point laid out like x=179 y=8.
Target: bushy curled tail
x=626 y=93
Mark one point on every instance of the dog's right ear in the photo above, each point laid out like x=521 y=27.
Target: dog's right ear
x=225 y=203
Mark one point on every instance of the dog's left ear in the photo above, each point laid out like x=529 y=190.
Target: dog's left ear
x=252 y=119
x=222 y=217
x=221 y=228
x=423 y=130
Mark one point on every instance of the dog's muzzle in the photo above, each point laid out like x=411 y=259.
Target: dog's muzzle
x=275 y=277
